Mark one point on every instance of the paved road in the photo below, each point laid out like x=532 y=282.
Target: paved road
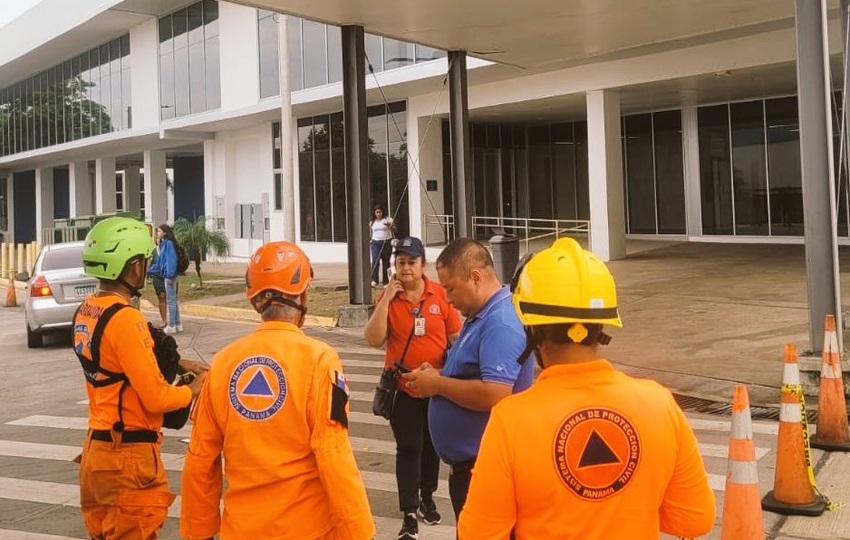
x=42 y=422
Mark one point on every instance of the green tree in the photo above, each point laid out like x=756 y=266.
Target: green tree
x=199 y=240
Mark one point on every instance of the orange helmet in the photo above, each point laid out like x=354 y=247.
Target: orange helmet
x=278 y=266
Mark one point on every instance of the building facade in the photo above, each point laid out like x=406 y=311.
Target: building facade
x=170 y=109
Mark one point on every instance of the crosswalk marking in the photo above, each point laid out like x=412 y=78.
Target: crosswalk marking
x=762 y=428
x=79 y=423
x=722 y=450
x=8 y=534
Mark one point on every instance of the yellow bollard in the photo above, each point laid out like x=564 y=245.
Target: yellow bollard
x=21 y=252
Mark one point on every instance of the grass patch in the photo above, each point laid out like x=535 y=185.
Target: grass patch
x=188 y=288
x=323 y=301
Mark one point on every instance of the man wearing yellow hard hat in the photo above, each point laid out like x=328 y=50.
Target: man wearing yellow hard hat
x=587 y=451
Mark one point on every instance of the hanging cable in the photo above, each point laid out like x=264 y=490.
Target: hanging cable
x=414 y=160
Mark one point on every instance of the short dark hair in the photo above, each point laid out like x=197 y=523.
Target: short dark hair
x=463 y=255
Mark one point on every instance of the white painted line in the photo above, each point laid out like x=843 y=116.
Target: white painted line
x=358 y=350
x=717 y=482
x=387 y=482
x=53 y=493
x=388 y=527
x=375 y=446
x=355 y=377
x=377 y=364
x=7 y=534
x=59 y=452
x=722 y=450
x=724 y=425
x=80 y=423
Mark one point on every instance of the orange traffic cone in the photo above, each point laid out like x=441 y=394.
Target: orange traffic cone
x=742 y=517
x=11 y=295
x=833 y=432
x=793 y=493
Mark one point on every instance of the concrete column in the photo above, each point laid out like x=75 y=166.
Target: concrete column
x=818 y=174
x=43 y=202
x=287 y=126
x=358 y=193
x=690 y=148
x=156 y=192
x=104 y=185
x=605 y=171
x=80 y=189
x=132 y=191
x=462 y=177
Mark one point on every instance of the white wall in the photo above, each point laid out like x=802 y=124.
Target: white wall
x=240 y=71
x=425 y=146
x=144 y=74
x=241 y=172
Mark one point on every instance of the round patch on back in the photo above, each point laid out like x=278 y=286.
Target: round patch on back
x=257 y=388
x=596 y=452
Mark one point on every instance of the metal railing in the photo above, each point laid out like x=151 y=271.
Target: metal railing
x=483 y=227
x=55 y=235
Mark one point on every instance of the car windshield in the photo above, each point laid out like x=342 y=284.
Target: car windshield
x=60 y=259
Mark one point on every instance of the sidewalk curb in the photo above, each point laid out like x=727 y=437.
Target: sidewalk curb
x=239 y=314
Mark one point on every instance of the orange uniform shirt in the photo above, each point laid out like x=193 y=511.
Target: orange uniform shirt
x=588 y=452
x=126 y=347
x=268 y=405
x=441 y=319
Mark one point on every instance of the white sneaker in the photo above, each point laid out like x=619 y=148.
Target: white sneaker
x=170 y=330
x=179 y=327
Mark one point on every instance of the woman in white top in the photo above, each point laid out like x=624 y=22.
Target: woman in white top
x=380 y=245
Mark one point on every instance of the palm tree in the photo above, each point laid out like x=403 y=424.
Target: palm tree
x=198 y=240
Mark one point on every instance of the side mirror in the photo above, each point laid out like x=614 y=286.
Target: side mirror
x=22 y=276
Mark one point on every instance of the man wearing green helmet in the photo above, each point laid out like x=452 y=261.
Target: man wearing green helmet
x=587 y=451
x=123 y=487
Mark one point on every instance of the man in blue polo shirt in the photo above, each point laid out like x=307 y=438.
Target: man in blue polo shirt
x=481 y=367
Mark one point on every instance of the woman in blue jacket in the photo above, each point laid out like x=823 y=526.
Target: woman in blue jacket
x=166 y=266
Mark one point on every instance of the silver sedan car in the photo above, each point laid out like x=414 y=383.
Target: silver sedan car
x=54 y=291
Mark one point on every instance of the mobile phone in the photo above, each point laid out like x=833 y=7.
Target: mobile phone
x=401 y=368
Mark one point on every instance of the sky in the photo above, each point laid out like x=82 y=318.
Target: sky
x=9 y=9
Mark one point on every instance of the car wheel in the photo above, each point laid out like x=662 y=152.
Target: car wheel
x=34 y=339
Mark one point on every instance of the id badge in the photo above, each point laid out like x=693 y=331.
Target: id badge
x=419 y=326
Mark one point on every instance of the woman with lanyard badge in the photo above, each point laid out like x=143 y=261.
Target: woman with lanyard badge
x=413 y=308
x=380 y=246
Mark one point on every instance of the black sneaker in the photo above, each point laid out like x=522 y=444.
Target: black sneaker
x=409 y=528
x=428 y=512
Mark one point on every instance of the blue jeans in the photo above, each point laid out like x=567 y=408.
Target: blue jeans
x=171 y=302
x=380 y=251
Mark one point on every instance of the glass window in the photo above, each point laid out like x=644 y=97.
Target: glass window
x=426 y=54
x=539 y=173
x=269 y=59
x=640 y=174
x=322 y=179
x=296 y=65
x=784 y=167
x=210 y=18
x=397 y=166
x=4 y=186
x=340 y=204
x=564 y=171
x=669 y=172
x=213 y=73
x=105 y=90
x=115 y=84
x=749 y=168
x=397 y=54
x=715 y=170
x=334 y=53
x=377 y=128
x=305 y=179
x=197 y=97
x=374 y=55
x=315 y=54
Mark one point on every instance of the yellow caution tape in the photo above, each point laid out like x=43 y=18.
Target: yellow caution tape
x=797 y=390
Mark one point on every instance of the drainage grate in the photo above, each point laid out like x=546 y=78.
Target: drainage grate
x=720 y=408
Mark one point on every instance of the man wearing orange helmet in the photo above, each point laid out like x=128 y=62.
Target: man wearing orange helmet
x=586 y=452
x=276 y=404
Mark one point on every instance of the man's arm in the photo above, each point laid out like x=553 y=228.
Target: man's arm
x=688 y=507
x=337 y=469
x=200 y=517
x=475 y=395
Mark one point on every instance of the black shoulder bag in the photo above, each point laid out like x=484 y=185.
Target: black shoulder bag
x=382 y=403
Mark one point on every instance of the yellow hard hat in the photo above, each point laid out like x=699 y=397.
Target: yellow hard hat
x=565 y=284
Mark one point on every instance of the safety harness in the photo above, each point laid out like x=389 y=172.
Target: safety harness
x=167 y=357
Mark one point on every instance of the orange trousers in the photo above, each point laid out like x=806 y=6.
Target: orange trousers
x=123 y=490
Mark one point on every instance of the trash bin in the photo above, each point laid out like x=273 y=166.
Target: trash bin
x=505 y=250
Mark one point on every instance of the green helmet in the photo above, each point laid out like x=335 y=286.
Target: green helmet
x=111 y=243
